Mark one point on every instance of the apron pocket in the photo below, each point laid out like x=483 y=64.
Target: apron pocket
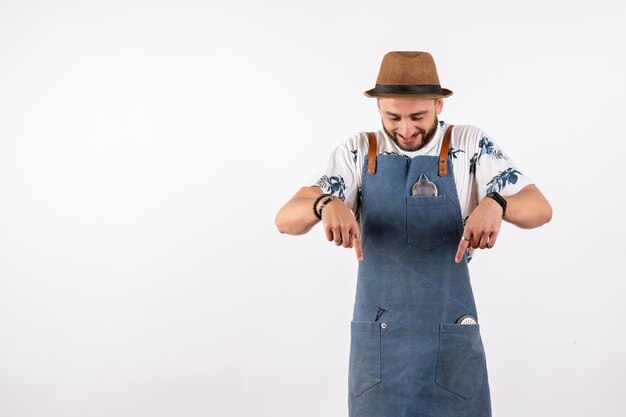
x=461 y=364
x=426 y=221
x=364 y=369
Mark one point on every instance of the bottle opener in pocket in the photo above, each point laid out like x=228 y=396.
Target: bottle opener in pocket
x=424 y=187
x=466 y=319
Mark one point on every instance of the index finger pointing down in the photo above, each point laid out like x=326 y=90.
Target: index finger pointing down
x=356 y=238
x=463 y=244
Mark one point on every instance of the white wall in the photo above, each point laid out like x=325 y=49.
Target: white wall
x=146 y=146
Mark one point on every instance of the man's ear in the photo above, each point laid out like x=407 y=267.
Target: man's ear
x=439 y=105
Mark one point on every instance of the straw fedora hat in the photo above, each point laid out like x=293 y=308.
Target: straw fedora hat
x=408 y=74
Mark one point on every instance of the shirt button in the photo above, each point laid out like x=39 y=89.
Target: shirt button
x=383 y=325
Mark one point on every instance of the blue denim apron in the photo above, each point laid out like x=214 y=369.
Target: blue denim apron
x=412 y=360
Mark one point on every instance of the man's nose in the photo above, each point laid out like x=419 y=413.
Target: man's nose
x=405 y=128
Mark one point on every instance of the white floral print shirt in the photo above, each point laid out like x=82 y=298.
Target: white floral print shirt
x=479 y=165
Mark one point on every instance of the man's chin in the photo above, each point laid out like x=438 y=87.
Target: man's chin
x=409 y=146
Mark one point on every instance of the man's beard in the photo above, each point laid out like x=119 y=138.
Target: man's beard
x=426 y=137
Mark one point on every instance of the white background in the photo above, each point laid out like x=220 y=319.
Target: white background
x=146 y=146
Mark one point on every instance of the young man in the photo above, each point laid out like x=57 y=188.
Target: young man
x=414 y=200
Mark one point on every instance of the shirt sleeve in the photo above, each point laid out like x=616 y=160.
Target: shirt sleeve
x=494 y=170
x=340 y=178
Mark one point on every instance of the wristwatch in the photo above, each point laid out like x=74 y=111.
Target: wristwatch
x=499 y=199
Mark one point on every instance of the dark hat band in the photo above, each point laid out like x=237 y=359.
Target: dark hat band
x=408 y=89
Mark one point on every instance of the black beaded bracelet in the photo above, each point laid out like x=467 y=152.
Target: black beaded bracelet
x=317 y=200
x=328 y=200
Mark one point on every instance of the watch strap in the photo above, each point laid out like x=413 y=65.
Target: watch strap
x=499 y=199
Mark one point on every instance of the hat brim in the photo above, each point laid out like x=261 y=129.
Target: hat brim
x=373 y=93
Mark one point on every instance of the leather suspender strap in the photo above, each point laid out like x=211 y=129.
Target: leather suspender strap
x=443 y=155
x=371 y=153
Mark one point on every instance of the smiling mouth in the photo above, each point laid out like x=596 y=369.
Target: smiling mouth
x=410 y=139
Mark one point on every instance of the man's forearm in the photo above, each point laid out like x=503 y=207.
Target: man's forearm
x=296 y=217
x=528 y=208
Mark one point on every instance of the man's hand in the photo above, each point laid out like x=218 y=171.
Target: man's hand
x=482 y=227
x=341 y=226
x=296 y=218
